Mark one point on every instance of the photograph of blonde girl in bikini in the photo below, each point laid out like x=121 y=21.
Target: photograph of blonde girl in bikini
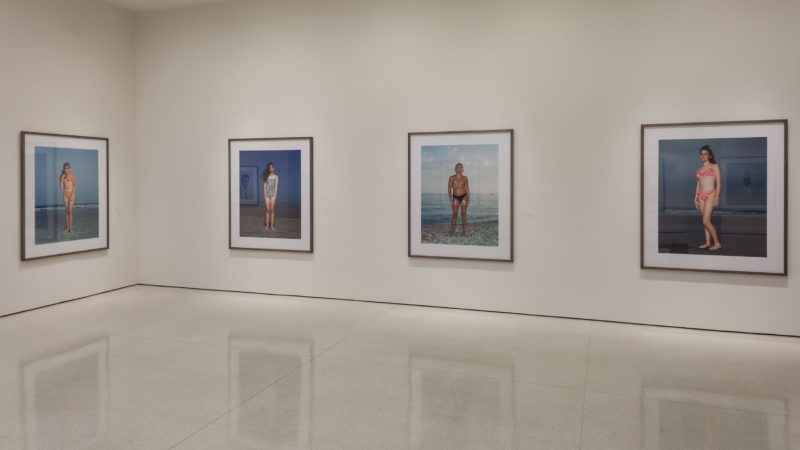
x=66 y=194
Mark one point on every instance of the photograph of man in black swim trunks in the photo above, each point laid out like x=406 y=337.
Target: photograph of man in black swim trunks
x=458 y=192
x=460 y=180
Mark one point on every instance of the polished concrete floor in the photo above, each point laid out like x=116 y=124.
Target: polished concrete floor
x=152 y=368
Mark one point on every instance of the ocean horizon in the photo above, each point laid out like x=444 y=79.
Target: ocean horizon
x=436 y=208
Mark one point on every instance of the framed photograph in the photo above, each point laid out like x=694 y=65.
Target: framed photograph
x=270 y=194
x=64 y=194
x=460 y=194
x=714 y=196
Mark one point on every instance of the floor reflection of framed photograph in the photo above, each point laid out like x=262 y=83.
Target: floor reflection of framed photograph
x=438 y=391
x=64 y=194
x=665 y=410
x=66 y=396
x=460 y=194
x=253 y=360
x=270 y=194
x=714 y=196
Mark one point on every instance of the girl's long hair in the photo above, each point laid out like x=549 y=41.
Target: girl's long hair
x=265 y=174
x=710 y=154
x=64 y=171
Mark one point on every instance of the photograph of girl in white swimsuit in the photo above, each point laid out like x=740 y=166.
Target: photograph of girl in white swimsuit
x=276 y=211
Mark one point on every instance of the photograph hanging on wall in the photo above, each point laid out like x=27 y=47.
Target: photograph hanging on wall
x=64 y=194
x=460 y=194
x=714 y=196
x=270 y=187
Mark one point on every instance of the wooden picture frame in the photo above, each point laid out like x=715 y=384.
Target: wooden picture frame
x=292 y=227
x=483 y=192
x=754 y=235
x=64 y=196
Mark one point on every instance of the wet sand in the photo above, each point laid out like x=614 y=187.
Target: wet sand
x=287 y=222
x=478 y=233
x=51 y=223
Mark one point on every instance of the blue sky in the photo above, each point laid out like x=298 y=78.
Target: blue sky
x=480 y=166
x=50 y=160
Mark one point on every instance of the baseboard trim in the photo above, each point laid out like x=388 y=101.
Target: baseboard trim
x=469 y=309
x=397 y=303
x=69 y=300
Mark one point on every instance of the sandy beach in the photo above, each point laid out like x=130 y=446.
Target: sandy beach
x=51 y=222
x=287 y=222
x=478 y=233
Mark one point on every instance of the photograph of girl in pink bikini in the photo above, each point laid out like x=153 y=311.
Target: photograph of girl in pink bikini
x=712 y=196
x=459 y=194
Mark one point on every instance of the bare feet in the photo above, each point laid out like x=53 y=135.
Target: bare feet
x=706 y=245
x=715 y=248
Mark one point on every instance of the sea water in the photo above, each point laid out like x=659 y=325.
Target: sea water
x=51 y=221
x=436 y=208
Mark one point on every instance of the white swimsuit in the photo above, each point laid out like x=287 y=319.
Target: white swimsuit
x=269 y=186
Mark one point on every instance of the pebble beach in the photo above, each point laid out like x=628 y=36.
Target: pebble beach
x=478 y=233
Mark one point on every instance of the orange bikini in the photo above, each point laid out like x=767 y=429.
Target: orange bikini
x=69 y=187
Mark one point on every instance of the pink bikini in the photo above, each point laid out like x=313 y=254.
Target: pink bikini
x=707 y=172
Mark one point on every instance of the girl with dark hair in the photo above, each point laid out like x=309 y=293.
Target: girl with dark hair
x=706 y=195
x=270 y=195
x=68 y=183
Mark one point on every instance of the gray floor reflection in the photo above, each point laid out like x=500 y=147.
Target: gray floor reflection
x=253 y=360
x=65 y=398
x=680 y=418
x=479 y=409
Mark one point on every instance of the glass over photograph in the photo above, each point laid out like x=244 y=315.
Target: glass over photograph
x=460 y=194
x=274 y=211
x=67 y=194
x=714 y=196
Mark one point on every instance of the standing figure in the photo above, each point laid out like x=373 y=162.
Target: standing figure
x=270 y=195
x=458 y=192
x=706 y=195
x=244 y=187
x=68 y=183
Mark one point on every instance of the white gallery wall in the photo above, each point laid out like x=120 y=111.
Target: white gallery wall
x=66 y=67
x=574 y=80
